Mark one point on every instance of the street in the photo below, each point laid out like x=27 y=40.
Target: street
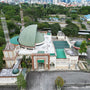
x=88 y=53
x=46 y=80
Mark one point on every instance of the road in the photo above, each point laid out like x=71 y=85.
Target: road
x=87 y=25
x=88 y=52
x=11 y=87
x=46 y=80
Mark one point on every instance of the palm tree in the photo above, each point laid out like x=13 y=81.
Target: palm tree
x=24 y=58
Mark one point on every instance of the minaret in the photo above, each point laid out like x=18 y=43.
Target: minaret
x=21 y=14
x=4 y=26
x=9 y=51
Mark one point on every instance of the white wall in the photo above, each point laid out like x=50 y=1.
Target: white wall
x=10 y=63
x=61 y=37
x=53 y=60
x=7 y=80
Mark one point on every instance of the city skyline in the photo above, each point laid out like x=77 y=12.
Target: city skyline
x=45 y=1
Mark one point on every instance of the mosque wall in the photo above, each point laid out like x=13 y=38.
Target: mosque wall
x=10 y=63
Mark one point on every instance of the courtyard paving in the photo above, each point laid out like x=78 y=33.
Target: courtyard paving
x=45 y=80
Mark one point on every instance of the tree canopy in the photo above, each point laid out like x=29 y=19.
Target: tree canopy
x=83 y=47
x=59 y=82
x=55 y=28
x=71 y=30
x=21 y=82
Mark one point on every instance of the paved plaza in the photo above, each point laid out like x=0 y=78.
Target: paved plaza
x=46 y=80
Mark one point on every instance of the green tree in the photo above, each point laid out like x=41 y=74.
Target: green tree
x=43 y=25
x=13 y=28
x=1 y=33
x=55 y=28
x=83 y=47
x=71 y=30
x=88 y=22
x=23 y=64
x=1 y=57
x=74 y=16
x=1 y=64
x=80 y=21
x=2 y=41
x=24 y=58
x=87 y=36
x=21 y=82
x=68 y=21
x=83 y=26
x=59 y=82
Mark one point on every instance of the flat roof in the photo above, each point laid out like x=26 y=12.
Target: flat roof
x=61 y=44
x=8 y=72
x=60 y=53
x=70 y=52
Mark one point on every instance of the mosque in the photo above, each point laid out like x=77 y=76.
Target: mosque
x=46 y=51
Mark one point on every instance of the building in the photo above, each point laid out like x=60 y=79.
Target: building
x=45 y=51
x=87 y=17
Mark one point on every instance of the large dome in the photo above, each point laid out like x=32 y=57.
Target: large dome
x=30 y=36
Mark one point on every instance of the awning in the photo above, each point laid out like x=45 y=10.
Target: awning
x=40 y=61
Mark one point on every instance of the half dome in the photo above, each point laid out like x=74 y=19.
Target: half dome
x=30 y=37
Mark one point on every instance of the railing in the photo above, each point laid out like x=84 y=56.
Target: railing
x=67 y=39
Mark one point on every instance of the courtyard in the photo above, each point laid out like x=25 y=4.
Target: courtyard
x=45 y=80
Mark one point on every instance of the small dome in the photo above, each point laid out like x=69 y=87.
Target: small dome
x=15 y=71
x=78 y=43
x=14 y=40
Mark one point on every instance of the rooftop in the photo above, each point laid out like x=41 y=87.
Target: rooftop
x=70 y=52
x=8 y=72
x=60 y=33
x=87 y=16
x=46 y=47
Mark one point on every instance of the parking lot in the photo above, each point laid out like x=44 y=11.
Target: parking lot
x=46 y=80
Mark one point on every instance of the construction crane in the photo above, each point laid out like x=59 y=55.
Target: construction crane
x=21 y=14
x=4 y=26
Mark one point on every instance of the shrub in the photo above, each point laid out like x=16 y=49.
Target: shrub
x=68 y=21
x=59 y=82
x=21 y=82
x=83 y=26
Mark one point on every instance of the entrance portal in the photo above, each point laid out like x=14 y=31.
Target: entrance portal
x=40 y=64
